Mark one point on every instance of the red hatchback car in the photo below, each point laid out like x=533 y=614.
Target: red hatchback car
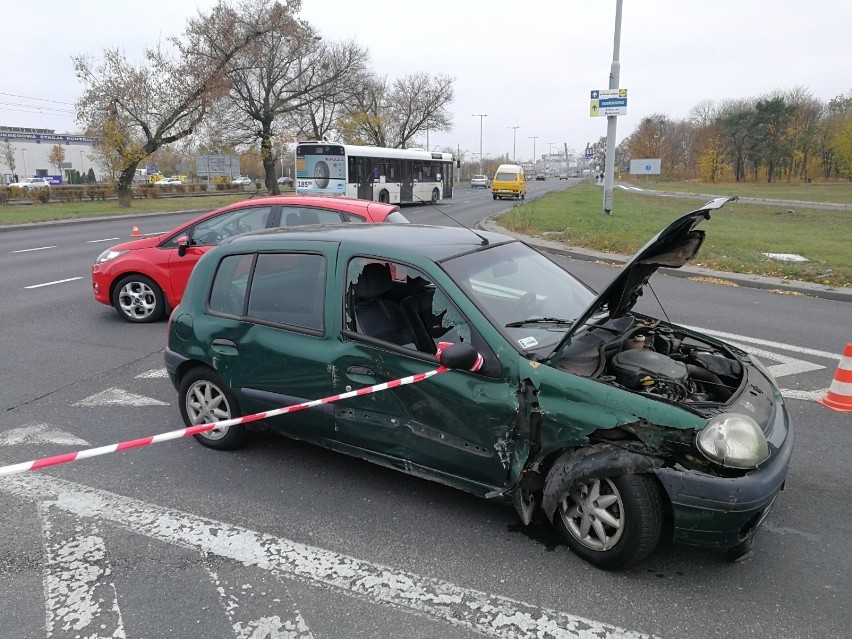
x=145 y=277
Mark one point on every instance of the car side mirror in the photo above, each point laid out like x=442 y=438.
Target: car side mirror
x=461 y=356
x=182 y=245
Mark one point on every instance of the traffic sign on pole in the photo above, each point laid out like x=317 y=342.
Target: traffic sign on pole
x=608 y=102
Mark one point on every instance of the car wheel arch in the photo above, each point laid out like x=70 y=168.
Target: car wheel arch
x=588 y=463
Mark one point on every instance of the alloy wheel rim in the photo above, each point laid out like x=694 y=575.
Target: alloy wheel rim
x=137 y=300
x=594 y=514
x=206 y=403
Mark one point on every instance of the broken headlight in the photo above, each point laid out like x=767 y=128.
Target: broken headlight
x=733 y=440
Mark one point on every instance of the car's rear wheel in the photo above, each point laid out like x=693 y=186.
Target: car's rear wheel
x=138 y=299
x=494 y=196
x=612 y=522
x=435 y=196
x=204 y=399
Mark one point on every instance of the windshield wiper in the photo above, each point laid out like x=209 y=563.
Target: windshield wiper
x=539 y=320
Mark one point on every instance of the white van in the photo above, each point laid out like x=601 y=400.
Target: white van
x=509 y=181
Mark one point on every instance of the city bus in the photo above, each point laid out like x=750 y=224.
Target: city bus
x=373 y=173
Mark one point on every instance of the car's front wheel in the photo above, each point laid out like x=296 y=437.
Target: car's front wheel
x=204 y=399
x=138 y=299
x=435 y=196
x=612 y=522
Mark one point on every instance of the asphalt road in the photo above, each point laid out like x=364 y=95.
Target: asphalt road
x=282 y=539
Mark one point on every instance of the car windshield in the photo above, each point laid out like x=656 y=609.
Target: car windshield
x=528 y=298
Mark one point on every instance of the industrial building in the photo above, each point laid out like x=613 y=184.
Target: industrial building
x=31 y=148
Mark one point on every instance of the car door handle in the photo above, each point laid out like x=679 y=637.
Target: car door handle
x=224 y=346
x=360 y=370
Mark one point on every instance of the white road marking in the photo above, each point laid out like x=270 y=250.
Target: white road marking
x=80 y=600
x=120 y=397
x=154 y=233
x=805 y=395
x=39 y=434
x=40 y=248
x=70 y=279
x=106 y=239
x=240 y=598
x=153 y=374
x=472 y=610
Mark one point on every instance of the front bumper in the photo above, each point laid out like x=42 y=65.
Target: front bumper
x=723 y=512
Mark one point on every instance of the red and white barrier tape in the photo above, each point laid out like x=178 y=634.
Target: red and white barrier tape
x=203 y=428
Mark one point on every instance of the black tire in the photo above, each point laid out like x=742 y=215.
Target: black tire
x=138 y=299
x=435 y=196
x=636 y=505
x=524 y=195
x=384 y=196
x=494 y=196
x=205 y=398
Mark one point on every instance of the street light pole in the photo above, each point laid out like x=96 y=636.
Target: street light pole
x=480 y=116
x=533 y=138
x=550 y=153
x=514 y=132
x=614 y=72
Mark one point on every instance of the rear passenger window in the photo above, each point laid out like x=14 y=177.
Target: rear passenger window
x=228 y=293
x=302 y=215
x=288 y=288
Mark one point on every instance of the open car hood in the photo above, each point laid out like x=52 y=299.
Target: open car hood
x=672 y=247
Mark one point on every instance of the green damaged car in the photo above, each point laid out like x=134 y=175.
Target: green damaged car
x=604 y=421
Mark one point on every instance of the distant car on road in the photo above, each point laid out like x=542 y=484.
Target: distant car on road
x=286 y=181
x=480 y=181
x=169 y=181
x=241 y=180
x=540 y=177
x=32 y=183
x=563 y=176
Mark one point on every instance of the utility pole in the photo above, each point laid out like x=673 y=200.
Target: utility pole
x=614 y=72
x=514 y=132
x=480 y=116
x=533 y=138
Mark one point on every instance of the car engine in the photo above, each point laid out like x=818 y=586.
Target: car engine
x=647 y=357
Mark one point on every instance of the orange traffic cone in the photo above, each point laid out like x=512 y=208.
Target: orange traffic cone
x=839 y=396
x=135 y=232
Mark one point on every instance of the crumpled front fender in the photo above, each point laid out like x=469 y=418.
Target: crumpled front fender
x=588 y=464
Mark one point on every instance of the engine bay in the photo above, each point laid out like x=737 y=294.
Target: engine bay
x=647 y=356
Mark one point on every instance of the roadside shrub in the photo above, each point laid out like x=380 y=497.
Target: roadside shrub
x=40 y=195
x=202 y=187
x=5 y=194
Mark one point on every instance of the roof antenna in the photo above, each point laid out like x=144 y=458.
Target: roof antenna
x=443 y=212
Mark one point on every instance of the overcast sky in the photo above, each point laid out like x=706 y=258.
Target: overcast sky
x=530 y=64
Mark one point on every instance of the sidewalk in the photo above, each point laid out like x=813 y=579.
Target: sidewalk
x=738 y=279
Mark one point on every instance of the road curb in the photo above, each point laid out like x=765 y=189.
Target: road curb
x=745 y=280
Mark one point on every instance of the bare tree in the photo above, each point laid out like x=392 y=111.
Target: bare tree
x=163 y=99
x=290 y=69
x=393 y=114
x=7 y=153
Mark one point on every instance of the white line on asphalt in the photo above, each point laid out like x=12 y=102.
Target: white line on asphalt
x=154 y=233
x=106 y=239
x=473 y=610
x=154 y=373
x=80 y=598
x=40 y=248
x=118 y=397
x=70 y=279
x=805 y=395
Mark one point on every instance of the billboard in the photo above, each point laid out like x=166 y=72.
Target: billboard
x=645 y=167
x=215 y=165
x=322 y=173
